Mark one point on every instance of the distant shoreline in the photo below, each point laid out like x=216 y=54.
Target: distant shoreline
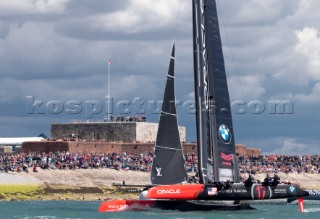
x=96 y=184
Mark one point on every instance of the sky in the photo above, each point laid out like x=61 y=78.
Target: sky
x=54 y=65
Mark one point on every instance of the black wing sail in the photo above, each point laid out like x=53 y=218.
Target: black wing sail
x=214 y=120
x=168 y=162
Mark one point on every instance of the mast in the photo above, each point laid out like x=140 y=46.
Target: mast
x=215 y=137
x=168 y=160
x=201 y=97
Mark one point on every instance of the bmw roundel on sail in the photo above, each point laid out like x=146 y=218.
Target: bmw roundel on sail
x=225 y=134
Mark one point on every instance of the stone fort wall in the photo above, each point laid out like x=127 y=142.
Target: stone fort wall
x=109 y=147
x=109 y=137
x=96 y=147
x=142 y=132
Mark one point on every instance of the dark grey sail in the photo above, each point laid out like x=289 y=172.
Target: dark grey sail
x=168 y=162
x=216 y=148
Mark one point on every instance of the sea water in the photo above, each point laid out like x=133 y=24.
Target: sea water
x=84 y=209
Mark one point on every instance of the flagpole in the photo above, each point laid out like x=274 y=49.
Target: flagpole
x=109 y=95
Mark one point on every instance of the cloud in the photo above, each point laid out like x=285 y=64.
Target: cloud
x=246 y=88
x=304 y=66
x=39 y=62
x=255 y=12
x=31 y=7
x=9 y=127
x=139 y=16
x=304 y=13
x=30 y=50
x=282 y=145
x=312 y=97
x=57 y=50
x=136 y=20
x=300 y=59
x=308 y=47
x=291 y=146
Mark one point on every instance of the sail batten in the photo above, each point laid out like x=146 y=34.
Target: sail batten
x=168 y=148
x=168 y=162
x=170 y=114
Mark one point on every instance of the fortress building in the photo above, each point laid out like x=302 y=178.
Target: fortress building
x=107 y=137
x=129 y=132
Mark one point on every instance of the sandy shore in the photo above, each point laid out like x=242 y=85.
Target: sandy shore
x=89 y=177
x=96 y=184
x=106 y=177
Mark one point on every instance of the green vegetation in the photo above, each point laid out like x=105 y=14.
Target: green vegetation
x=16 y=188
x=17 y=191
x=60 y=192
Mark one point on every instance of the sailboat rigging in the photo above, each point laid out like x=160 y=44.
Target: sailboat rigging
x=217 y=164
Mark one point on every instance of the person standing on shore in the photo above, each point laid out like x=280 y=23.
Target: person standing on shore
x=35 y=168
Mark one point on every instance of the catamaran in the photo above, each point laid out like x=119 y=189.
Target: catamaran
x=219 y=185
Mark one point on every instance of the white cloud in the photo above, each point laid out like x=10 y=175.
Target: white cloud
x=256 y=12
x=291 y=146
x=284 y=145
x=33 y=48
x=131 y=86
x=305 y=13
x=51 y=6
x=37 y=61
x=259 y=11
x=243 y=88
x=246 y=88
x=29 y=7
x=46 y=90
x=304 y=66
x=312 y=97
x=139 y=16
x=309 y=48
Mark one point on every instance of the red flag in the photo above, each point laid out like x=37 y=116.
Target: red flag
x=109 y=62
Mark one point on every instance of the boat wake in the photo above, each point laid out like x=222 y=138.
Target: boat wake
x=311 y=210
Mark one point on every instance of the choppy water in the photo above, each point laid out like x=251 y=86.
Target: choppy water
x=81 y=209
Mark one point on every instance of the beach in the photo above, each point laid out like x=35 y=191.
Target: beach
x=97 y=184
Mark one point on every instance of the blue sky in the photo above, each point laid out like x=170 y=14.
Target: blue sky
x=54 y=52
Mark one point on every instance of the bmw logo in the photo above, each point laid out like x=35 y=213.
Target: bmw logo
x=225 y=134
x=292 y=189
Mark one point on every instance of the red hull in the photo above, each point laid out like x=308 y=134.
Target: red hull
x=176 y=192
x=125 y=205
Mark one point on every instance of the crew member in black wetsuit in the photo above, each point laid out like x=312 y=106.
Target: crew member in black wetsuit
x=267 y=181
x=276 y=180
x=249 y=181
x=228 y=184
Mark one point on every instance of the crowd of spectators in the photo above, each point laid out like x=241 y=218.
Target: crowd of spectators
x=142 y=162
x=279 y=163
x=128 y=119
x=65 y=160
